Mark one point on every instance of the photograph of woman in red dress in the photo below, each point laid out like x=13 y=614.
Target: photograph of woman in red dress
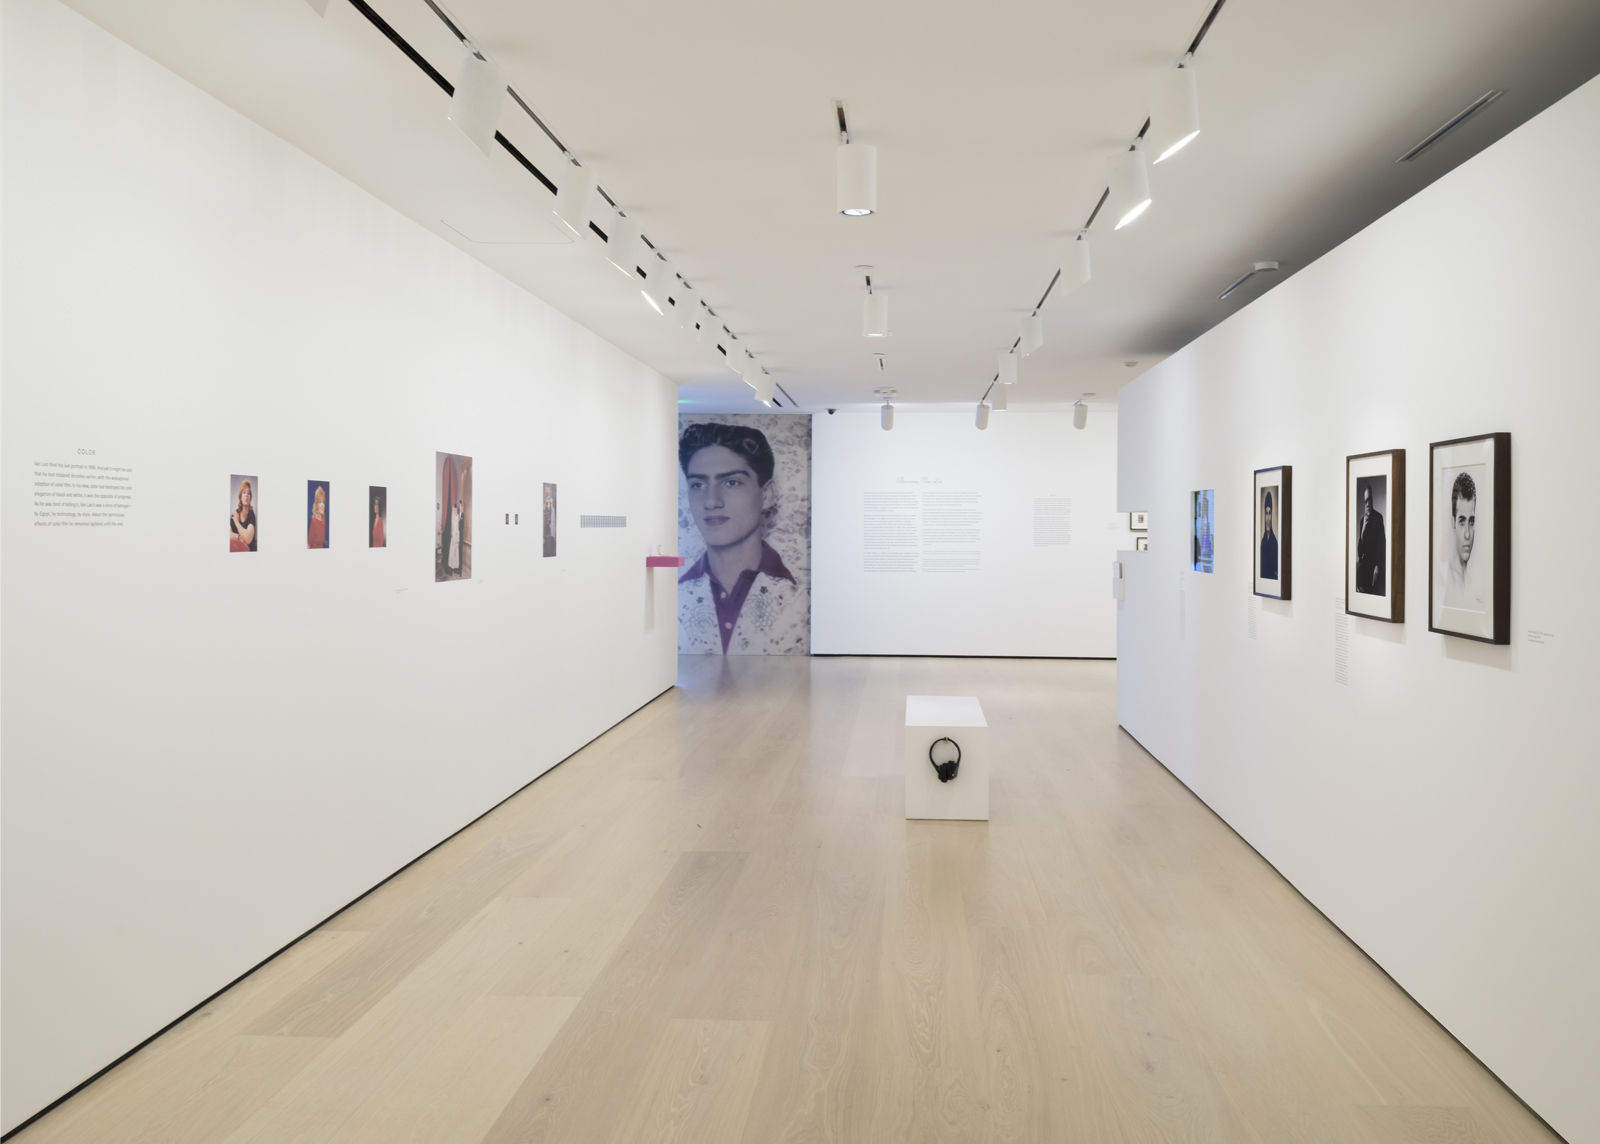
x=316 y=514
x=379 y=496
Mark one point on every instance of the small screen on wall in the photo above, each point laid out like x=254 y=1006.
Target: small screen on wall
x=1200 y=534
x=549 y=519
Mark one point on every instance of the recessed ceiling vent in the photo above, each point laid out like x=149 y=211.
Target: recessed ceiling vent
x=1456 y=120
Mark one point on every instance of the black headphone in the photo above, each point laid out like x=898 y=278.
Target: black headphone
x=946 y=771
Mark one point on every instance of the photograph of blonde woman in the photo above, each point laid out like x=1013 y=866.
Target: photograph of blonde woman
x=316 y=514
x=242 y=521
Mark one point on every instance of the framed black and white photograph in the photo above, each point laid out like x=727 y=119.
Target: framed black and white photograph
x=1271 y=557
x=1375 y=535
x=1469 y=537
x=1138 y=521
x=1141 y=544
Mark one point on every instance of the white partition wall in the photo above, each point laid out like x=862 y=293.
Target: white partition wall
x=205 y=753
x=1435 y=797
x=935 y=538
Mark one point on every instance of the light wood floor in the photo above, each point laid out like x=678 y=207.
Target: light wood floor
x=714 y=924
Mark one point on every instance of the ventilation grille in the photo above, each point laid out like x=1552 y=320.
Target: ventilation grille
x=602 y=522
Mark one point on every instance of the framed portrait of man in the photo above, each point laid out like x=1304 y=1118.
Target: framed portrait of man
x=1469 y=537
x=1375 y=535
x=1271 y=533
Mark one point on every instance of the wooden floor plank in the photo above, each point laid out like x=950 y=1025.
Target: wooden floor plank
x=593 y=1069
x=696 y=1084
x=370 y=1064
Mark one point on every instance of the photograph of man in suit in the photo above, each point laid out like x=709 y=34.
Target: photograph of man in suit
x=1269 y=538
x=1372 y=546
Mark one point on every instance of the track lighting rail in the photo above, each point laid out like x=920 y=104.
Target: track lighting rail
x=1194 y=46
x=433 y=73
x=1211 y=18
x=1456 y=120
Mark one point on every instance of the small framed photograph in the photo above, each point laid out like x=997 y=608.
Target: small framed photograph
x=1138 y=521
x=1271 y=532
x=1202 y=548
x=318 y=496
x=1375 y=535
x=1469 y=537
x=1141 y=544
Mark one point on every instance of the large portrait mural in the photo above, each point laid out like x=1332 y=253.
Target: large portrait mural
x=744 y=528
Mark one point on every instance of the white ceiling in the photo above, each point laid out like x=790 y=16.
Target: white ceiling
x=713 y=124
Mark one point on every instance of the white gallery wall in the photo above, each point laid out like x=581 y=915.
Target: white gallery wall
x=935 y=538
x=206 y=753
x=1435 y=797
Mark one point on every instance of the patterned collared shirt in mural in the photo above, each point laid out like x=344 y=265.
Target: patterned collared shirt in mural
x=766 y=612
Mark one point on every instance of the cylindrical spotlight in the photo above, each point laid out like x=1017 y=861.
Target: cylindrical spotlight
x=572 y=200
x=1130 y=187
x=1075 y=262
x=758 y=379
x=622 y=246
x=1174 y=112
x=1008 y=368
x=875 y=316
x=475 y=105
x=660 y=285
x=997 y=398
x=886 y=416
x=858 y=179
x=1080 y=415
x=983 y=416
x=1032 y=334
x=687 y=309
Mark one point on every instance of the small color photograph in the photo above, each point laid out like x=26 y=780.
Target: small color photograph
x=549 y=519
x=452 y=537
x=377 y=516
x=242 y=521
x=316 y=514
x=1267 y=542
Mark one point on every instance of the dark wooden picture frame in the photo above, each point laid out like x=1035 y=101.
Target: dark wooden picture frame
x=1395 y=542
x=1138 y=521
x=1282 y=526
x=1499 y=610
